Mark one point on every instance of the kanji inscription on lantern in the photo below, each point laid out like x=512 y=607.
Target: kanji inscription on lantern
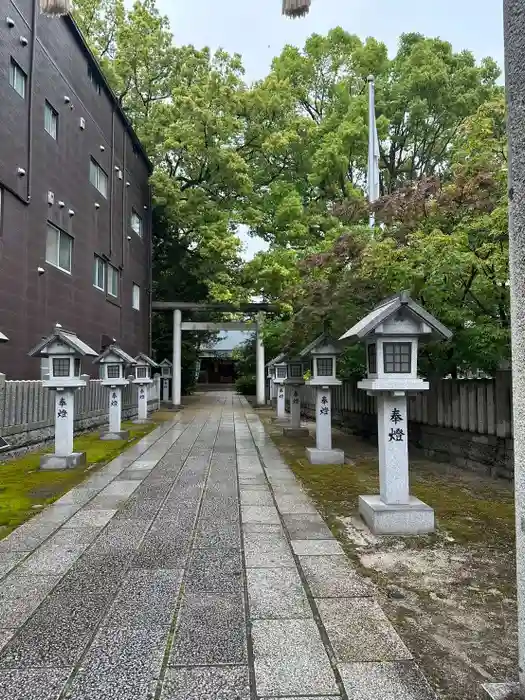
x=114 y=400
x=142 y=393
x=62 y=412
x=396 y=435
x=281 y=393
x=295 y=398
x=324 y=406
x=395 y=416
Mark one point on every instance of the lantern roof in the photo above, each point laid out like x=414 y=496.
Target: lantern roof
x=3 y=338
x=67 y=338
x=390 y=307
x=143 y=359
x=166 y=363
x=322 y=345
x=115 y=350
x=276 y=360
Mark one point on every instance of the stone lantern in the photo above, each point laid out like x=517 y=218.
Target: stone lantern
x=391 y=333
x=3 y=443
x=113 y=362
x=323 y=353
x=281 y=373
x=295 y=380
x=166 y=373
x=142 y=378
x=271 y=373
x=65 y=352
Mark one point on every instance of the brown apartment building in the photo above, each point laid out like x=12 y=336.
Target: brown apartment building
x=75 y=207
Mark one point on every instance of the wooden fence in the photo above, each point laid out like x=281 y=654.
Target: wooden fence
x=465 y=422
x=27 y=408
x=482 y=406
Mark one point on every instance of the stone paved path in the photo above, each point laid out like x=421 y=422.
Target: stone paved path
x=192 y=567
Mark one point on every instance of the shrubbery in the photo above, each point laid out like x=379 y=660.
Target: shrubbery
x=246 y=386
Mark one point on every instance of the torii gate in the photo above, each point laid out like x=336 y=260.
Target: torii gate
x=177 y=307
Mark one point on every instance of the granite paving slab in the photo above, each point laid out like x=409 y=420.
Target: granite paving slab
x=5 y=636
x=79 y=495
x=207 y=683
x=32 y=684
x=211 y=630
x=121 y=664
x=262 y=527
x=267 y=549
x=21 y=595
x=388 y=680
x=147 y=598
x=294 y=503
x=59 y=552
x=290 y=659
x=56 y=634
x=91 y=518
x=316 y=547
x=306 y=526
x=256 y=498
x=211 y=569
x=260 y=514
x=333 y=577
x=359 y=630
x=8 y=561
x=276 y=593
x=221 y=537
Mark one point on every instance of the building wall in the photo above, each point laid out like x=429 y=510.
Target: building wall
x=57 y=68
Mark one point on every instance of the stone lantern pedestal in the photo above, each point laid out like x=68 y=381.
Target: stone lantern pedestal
x=323 y=452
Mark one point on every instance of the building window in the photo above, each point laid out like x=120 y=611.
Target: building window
x=59 y=248
x=325 y=367
x=50 y=120
x=136 y=297
x=99 y=274
x=113 y=281
x=93 y=78
x=61 y=366
x=398 y=358
x=17 y=78
x=136 y=223
x=142 y=372
x=113 y=371
x=98 y=177
x=372 y=358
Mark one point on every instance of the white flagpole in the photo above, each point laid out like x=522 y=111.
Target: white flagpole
x=373 y=150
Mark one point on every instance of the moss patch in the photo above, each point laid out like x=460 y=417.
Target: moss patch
x=472 y=509
x=23 y=487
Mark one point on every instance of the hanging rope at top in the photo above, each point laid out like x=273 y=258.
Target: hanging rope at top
x=55 y=8
x=296 y=8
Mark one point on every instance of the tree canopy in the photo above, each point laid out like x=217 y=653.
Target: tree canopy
x=286 y=157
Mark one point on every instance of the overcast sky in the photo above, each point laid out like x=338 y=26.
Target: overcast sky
x=257 y=30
